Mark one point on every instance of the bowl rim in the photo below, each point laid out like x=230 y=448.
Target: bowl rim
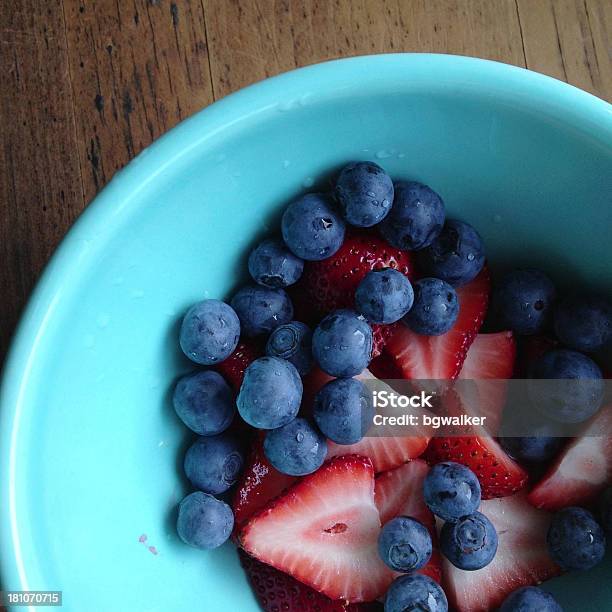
x=109 y=208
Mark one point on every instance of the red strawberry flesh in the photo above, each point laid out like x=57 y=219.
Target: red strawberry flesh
x=582 y=470
x=323 y=532
x=522 y=557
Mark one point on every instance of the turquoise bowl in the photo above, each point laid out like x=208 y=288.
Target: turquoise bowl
x=91 y=449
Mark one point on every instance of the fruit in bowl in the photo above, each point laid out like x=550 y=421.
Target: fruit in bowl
x=312 y=511
x=91 y=448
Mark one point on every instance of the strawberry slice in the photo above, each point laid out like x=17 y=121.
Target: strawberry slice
x=323 y=532
x=412 y=356
x=232 y=368
x=380 y=335
x=399 y=492
x=582 y=470
x=385 y=453
x=276 y=591
x=498 y=474
x=490 y=362
x=330 y=284
x=260 y=483
x=522 y=558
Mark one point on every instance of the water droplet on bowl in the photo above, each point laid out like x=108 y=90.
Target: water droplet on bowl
x=286 y=163
x=383 y=154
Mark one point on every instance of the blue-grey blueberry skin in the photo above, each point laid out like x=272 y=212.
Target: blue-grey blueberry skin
x=523 y=301
x=451 y=490
x=416 y=217
x=584 y=322
x=535 y=449
x=293 y=342
x=470 y=543
x=270 y=394
x=404 y=544
x=344 y=410
x=575 y=539
x=204 y=402
x=567 y=386
x=384 y=296
x=415 y=592
x=209 y=332
x=455 y=256
x=214 y=463
x=342 y=343
x=364 y=193
x=204 y=521
x=312 y=228
x=273 y=265
x=530 y=599
x=605 y=511
x=261 y=309
x=296 y=449
x=435 y=307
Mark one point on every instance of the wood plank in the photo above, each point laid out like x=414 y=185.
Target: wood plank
x=138 y=67
x=252 y=40
x=569 y=40
x=40 y=185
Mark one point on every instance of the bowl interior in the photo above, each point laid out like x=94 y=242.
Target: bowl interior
x=93 y=450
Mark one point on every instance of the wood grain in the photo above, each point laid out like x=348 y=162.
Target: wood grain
x=568 y=39
x=252 y=40
x=85 y=85
x=138 y=67
x=40 y=184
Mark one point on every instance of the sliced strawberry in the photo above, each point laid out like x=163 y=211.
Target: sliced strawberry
x=385 y=453
x=330 y=284
x=399 y=492
x=260 y=483
x=278 y=592
x=412 y=356
x=232 y=369
x=380 y=335
x=582 y=470
x=489 y=362
x=522 y=558
x=498 y=474
x=323 y=532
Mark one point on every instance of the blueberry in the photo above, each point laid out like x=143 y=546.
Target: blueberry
x=435 y=308
x=404 y=544
x=297 y=448
x=364 y=192
x=214 y=463
x=415 y=592
x=312 y=229
x=456 y=255
x=273 y=265
x=204 y=402
x=343 y=410
x=567 y=386
x=470 y=543
x=605 y=510
x=293 y=342
x=584 y=323
x=209 y=332
x=261 y=309
x=538 y=448
x=270 y=394
x=416 y=218
x=451 y=490
x=575 y=539
x=204 y=521
x=384 y=296
x=342 y=343
x=523 y=301
x=530 y=599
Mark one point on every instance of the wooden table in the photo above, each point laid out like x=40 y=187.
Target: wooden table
x=85 y=85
